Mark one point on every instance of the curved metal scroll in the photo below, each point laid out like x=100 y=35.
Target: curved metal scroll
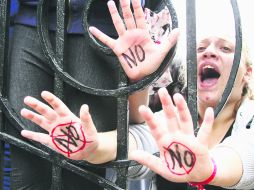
x=192 y=60
x=46 y=152
x=237 y=58
x=55 y=63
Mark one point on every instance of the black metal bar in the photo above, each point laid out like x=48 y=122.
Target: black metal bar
x=60 y=45
x=56 y=183
x=237 y=58
x=4 y=39
x=4 y=46
x=1 y=161
x=24 y=145
x=122 y=132
x=191 y=63
x=122 y=177
x=10 y=114
x=58 y=83
x=191 y=60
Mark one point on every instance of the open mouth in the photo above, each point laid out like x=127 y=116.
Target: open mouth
x=209 y=73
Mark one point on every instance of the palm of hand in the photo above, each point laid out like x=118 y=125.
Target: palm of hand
x=137 y=53
x=69 y=135
x=183 y=157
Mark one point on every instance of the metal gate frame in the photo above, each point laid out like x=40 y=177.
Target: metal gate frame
x=56 y=62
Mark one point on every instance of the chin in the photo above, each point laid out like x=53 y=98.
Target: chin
x=210 y=100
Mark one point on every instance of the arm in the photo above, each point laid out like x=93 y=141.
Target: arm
x=229 y=166
x=100 y=147
x=135 y=100
x=138 y=55
x=75 y=138
x=184 y=157
x=239 y=166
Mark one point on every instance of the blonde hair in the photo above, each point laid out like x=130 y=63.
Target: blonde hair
x=249 y=89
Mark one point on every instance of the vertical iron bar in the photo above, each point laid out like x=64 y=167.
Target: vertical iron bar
x=60 y=46
x=58 y=83
x=56 y=177
x=122 y=132
x=4 y=46
x=191 y=60
x=4 y=39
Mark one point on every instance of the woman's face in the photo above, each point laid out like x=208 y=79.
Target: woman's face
x=215 y=57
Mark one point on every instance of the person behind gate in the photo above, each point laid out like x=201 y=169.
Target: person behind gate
x=220 y=156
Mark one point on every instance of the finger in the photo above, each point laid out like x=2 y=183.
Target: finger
x=206 y=127
x=117 y=20
x=40 y=107
x=139 y=14
x=157 y=129
x=38 y=137
x=169 y=110
x=152 y=162
x=127 y=14
x=87 y=121
x=170 y=41
x=102 y=37
x=36 y=118
x=185 y=119
x=60 y=108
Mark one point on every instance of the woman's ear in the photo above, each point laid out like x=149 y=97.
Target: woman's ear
x=248 y=73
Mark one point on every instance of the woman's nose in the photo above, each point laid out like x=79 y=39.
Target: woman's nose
x=210 y=51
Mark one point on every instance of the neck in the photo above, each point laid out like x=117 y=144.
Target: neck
x=222 y=123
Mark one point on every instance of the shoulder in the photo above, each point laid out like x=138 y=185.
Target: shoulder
x=244 y=117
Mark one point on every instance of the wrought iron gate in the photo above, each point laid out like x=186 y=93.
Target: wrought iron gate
x=119 y=93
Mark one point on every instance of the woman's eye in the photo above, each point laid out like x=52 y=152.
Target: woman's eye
x=226 y=49
x=201 y=48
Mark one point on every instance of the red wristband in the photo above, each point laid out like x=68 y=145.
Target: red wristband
x=200 y=185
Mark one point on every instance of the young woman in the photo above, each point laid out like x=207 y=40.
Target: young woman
x=208 y=151
x=221 y=154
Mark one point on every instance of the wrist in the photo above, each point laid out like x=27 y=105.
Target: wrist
x=105 y=150
x=200 y=185
x=229 y=166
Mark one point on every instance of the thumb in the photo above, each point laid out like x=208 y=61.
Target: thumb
x=87 y=121
x=152 y=162
x=146 y=159
x=206 y=126
x=171 y=40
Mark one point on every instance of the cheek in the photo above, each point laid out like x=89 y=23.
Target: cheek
x=240 y=76
x=227 y=66
x=226 y=73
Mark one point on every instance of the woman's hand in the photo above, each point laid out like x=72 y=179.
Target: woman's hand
x=183 y=157
x=136 y=51
x=75 y=138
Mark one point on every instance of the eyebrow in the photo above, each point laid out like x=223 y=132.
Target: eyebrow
x=207 y=40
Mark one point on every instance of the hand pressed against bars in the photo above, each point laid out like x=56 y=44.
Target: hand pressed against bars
x=69 y=135
x=135 y=49
x=69 y=138
x=183 y=156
